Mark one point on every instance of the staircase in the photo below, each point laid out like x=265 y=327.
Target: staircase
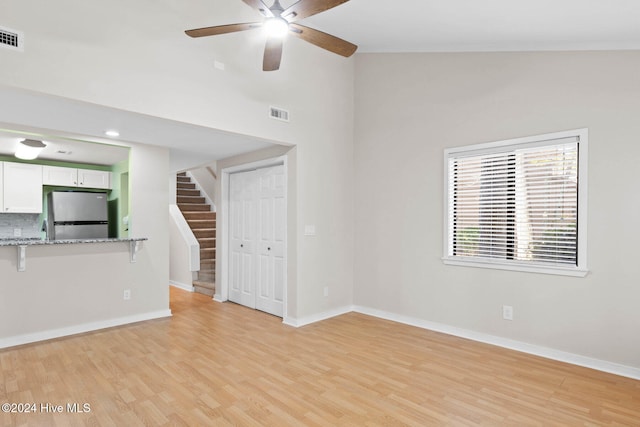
x=203 y=224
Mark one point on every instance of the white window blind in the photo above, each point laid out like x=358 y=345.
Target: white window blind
x=515 y=203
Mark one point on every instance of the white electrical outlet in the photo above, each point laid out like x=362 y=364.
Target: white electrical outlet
x=127 y=294
x=326 y=291
x=507 y=312
x=17 y=232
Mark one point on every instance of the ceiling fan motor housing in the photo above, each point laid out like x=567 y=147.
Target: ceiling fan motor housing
x=276 y=8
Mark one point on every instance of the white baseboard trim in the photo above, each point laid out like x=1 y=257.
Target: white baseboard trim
x=188 y=288
x=79 y=329
x=548 y=353
x=297 y=323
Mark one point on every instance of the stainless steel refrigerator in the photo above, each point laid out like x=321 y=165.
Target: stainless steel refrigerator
x=77 y=215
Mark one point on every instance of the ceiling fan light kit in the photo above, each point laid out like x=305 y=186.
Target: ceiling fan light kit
x=276 y=27
x=278 y=23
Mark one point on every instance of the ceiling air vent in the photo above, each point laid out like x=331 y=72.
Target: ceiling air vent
x=279 y=114
x=11 y=39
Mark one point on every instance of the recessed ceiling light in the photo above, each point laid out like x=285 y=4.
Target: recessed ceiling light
x=112 y=133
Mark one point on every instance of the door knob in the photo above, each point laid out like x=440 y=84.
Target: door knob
x=268 y=249
x=241 y=245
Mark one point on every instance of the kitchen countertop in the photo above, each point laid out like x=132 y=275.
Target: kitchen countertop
x=37 y=241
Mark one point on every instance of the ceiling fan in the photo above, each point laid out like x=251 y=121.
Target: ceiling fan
x=279 y=22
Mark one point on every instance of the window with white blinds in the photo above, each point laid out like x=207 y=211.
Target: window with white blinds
x=518 y=204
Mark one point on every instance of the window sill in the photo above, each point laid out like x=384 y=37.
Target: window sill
x=556 y=270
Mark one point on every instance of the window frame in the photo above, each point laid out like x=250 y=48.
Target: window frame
x=581 y=269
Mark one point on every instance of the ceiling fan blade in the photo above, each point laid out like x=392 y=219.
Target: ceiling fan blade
x=305 y=8
x=222 y=29
x=323 y=40
x=260 y=7
x=272 y=54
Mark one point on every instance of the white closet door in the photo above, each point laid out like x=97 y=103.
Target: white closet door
x=271 y=241
x=257 y=221
x=243 y=234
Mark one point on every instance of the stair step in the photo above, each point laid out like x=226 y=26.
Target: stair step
x=207 y=264
x=207 y=243
x=206 y=277
x=211 y=216
x=205 y=288
x=181 y=174
x=197 y=224
x=186 y=186
x=188 y=192
x=207 y=254
x=205 y=233
x=190 y=199
x=183 y=179
x=192 y=207
x=204 y=283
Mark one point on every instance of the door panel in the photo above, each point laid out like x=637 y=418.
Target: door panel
x=257 y=212
x=278 y=277
x=272 y=224
x=243 y=236
x=94 y=179
x=265 y=266
x=22 y=188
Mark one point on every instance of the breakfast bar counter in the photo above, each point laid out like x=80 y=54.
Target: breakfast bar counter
x=21 y=244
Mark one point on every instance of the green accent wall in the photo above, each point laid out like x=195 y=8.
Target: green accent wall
x=119 y=199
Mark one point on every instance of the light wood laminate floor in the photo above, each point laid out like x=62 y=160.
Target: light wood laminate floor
x=223 y=364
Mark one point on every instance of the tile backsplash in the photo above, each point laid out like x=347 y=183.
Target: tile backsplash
x=29 y=225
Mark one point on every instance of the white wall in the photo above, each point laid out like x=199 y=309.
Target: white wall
x=184 y=250
x=206 y=182
x=105 y=54
x=68 y=286
x=410 y=107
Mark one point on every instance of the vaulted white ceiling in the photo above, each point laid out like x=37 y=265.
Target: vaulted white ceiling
x=483 y=25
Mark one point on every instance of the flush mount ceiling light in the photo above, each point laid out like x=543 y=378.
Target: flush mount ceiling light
x=112 y=133
x=28 y=149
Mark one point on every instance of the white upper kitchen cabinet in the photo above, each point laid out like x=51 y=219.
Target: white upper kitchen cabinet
x=72 y=177
x=94 y=179
x=22 y=188
x=56 y=175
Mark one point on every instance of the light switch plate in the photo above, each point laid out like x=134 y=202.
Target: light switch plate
x=309 y=230
x=507 y=312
